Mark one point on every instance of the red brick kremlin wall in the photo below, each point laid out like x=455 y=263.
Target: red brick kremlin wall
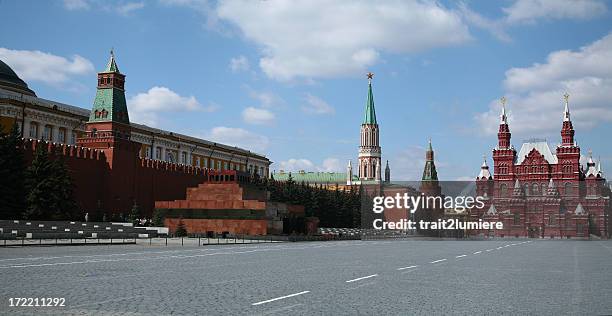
x=102 y=190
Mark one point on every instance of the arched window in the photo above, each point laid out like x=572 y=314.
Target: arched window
x=503 y=190
x=535 y=189
x=33 y=130
x=517 y=218
x=568 y=188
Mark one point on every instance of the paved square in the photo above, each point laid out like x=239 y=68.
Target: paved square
x=345 y=277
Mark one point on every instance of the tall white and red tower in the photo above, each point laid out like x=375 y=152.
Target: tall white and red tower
x=504 y=153
x=369 y=147
x=568 y=152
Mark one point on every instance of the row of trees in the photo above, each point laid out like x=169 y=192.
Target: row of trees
x=41 y=191
x=334 y=208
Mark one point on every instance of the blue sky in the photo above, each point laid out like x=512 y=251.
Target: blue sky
x=287 y=79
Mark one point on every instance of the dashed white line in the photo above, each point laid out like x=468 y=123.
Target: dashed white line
x=362 y=278
x=489 y=250
x=477 y=252
x=460 y=256
x=280 y=298
x=404 y=268
x=438 y=261
x=499 y=247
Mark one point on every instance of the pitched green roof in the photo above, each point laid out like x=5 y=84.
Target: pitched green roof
x=370 y=112
x=112 y=64
x=112 y=102
x=313 y=177
x=430 y=173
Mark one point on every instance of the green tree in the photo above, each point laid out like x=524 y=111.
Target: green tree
x=49 y=188
x=12 y=199
x=134 y=213
x=181 y=230
x=158 y=218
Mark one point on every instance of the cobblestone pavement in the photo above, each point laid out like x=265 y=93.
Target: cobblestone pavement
x=340 y=278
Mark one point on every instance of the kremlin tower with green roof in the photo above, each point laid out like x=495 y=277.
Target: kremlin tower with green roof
x=370 y=165
x=109 y=104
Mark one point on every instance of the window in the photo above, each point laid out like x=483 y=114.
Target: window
x=158 y=153
x=33 y=130
x=61 y=135
x=184 y=157
x=47 y=133
x=517 y=219
x=535 y=189
x=503 y=190
x=225 y=166
x=197 y=161
x=552 y=220
x=170 y=157
x=73 y=137
x=261 y=173
x=568 y=188
x=205 y=162
x=218 y=165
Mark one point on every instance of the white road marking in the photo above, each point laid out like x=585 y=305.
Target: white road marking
x=438 y=261
x=280 y=298
x=489 y=250
x=506 y=246
x=460 y=256
x=362 y=278
x=477 y=252
x=499 y=247
x=404 y=268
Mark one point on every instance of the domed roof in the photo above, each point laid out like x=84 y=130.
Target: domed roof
x=10 y=81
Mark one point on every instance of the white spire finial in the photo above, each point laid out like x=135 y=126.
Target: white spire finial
x=599 y=165
x=566 y=112
x=484 y=161
x=503 y=119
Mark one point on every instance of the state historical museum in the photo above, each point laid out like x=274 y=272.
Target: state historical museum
x=540 y=193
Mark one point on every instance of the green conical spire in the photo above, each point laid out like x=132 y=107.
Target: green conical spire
x=370 y=112
x=430 y=173
x=112 y=64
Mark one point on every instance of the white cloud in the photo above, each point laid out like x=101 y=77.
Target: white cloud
x=146 y=106
x=332 y=165
x=266 y=99
x=76 y=4
x=257 y=116
x=34 y=65
x=529 y=10
x=239 y=64
x=121 y=7
x=297 y=164
x=408 y=164
x=535 y=93
x=127 y=8
x=495 y=27
x=239 y=137
x=294 y=165
x=306 y=39
x=316 y=105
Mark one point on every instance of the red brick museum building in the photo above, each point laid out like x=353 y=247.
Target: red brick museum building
x=538 y=192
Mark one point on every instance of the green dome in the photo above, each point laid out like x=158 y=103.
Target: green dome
x=10 y=81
